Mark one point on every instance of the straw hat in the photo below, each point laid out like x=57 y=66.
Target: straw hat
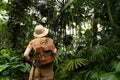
x=40 y=31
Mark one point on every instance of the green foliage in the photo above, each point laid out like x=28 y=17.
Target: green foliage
x=12 y=65
x=111 y=76
x=77 y=58
x=73 y=64
x=117 y=68
x=101 y=53
x=68 y=61
x=2 y=5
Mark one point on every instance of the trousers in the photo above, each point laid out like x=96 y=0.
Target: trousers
x=42 y=73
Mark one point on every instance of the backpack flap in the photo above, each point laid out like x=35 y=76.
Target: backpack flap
x=45 y=51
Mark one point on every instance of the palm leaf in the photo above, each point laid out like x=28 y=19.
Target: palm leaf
x=111 y=76
x=67 y=4
x=117 y=68
x=81 y=53
x=75 y=64
x=101 y=53
x=93 y=74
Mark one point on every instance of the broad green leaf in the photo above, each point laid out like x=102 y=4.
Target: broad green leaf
x=110 y=76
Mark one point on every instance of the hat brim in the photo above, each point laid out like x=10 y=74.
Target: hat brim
x=41 y=35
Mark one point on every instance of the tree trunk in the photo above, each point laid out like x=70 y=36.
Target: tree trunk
x=95 y=28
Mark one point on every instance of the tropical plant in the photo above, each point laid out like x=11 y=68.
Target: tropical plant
x=86 y=34
x=11 y=65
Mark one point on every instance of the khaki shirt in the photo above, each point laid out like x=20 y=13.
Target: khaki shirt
x=38 y=41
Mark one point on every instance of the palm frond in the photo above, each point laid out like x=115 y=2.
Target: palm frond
x=101 y=53
x=81 y=53
x=75 y=64
x=111 y=76
x=117 y=68
x=93 y=74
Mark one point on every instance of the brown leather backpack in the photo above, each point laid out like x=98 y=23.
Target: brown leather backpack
x=44 y=52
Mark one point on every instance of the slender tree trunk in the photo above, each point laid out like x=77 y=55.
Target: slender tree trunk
x=64 y=28
x=109 y=13
x=111 y=17
x=95 y=28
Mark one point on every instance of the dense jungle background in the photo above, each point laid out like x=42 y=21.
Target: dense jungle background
x=86 y=34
